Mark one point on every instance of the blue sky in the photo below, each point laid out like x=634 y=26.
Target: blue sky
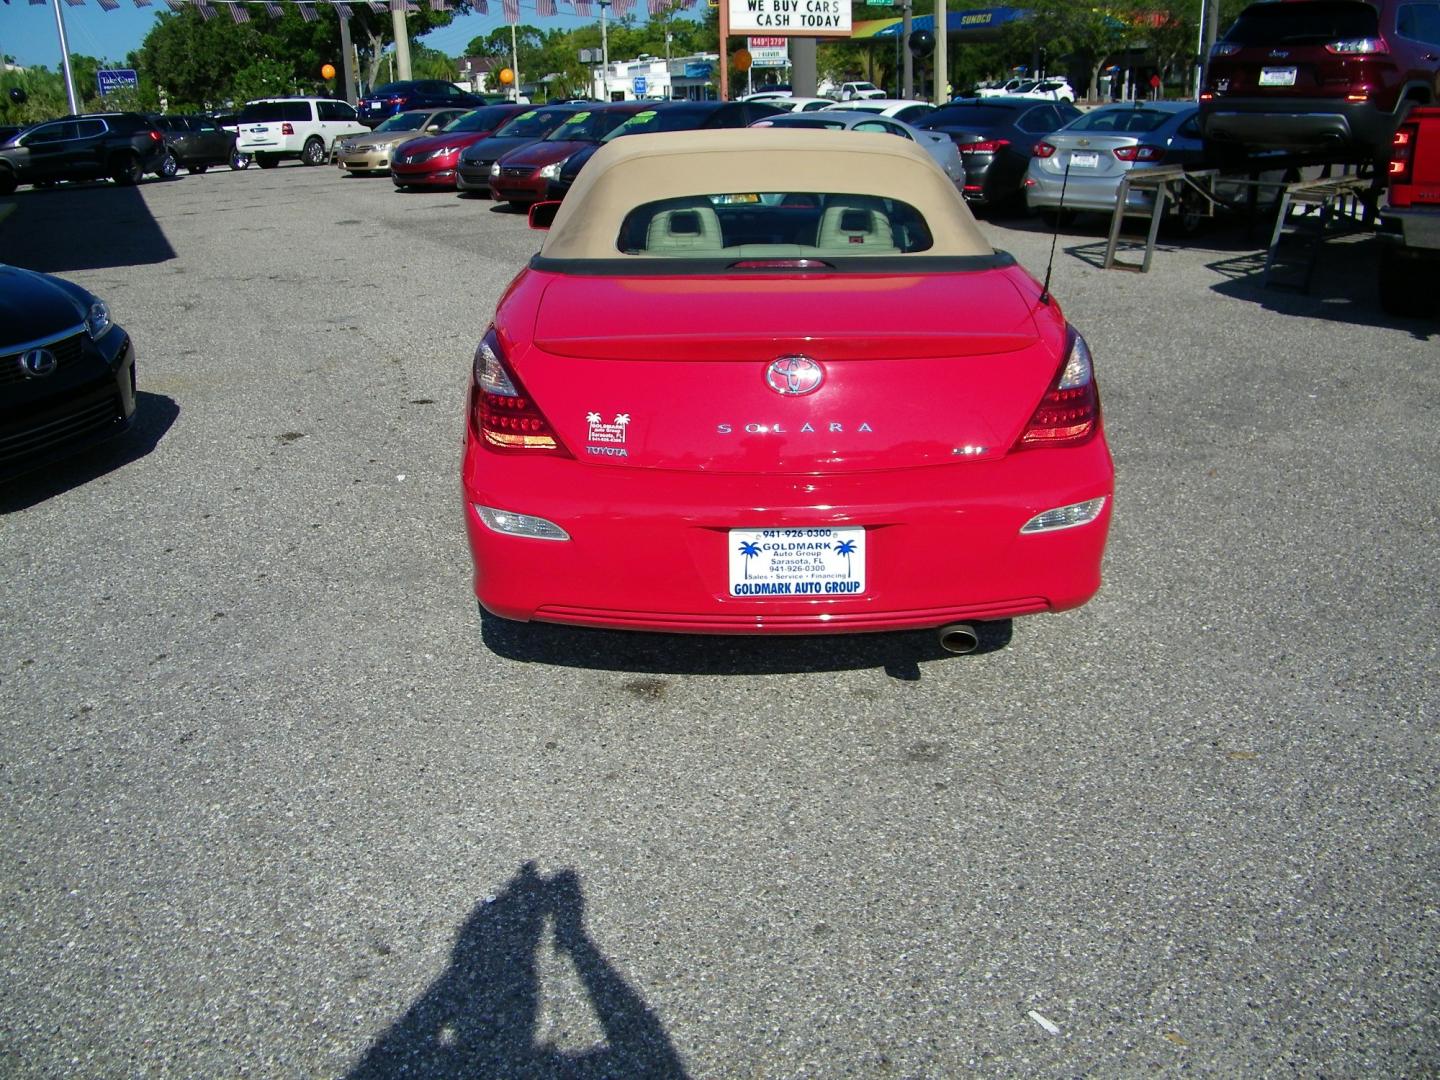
x=28 y=32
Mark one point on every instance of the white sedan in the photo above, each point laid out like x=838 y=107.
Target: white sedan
x=907 y=109
x=939 y=146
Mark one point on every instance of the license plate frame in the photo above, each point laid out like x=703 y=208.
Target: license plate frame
x=1278 y=76
x=825 y=562
x=1084 y=159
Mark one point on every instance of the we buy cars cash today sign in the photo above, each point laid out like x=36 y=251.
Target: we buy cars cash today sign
x=790 y=18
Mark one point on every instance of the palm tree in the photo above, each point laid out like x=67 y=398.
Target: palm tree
x=846 y=548
x=749 y=550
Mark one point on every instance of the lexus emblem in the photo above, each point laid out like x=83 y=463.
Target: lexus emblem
x=794 y=375
x=37 y=363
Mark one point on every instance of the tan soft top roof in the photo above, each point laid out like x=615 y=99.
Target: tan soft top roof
x=636 y=169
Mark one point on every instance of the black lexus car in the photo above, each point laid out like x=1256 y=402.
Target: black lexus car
x=67 y=373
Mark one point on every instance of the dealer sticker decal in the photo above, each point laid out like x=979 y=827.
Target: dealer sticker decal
x=606 y=440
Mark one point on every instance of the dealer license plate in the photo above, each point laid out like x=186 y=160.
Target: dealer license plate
x=797 y=562
x=1085 y=161
x=1277 y=76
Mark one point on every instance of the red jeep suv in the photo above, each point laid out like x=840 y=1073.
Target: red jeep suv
x=1323 y=76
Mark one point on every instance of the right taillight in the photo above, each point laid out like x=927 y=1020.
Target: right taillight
x=1139 y=153
x=1069 y=413
x=984 y=146
x=1402 y=153
x=1042 y=150
x=502 y=414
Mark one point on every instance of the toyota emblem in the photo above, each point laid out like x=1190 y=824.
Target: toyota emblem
x=794 y=375
x=37 y=363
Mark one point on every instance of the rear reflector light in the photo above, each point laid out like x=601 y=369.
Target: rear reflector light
x=1042 y=150
x=1069 y=413
x=1139 y=153
x=1402 y=160
x=1367 y=46
x=501 y=412
x=287 y=128
x=1065 y=517
x=984 y=146
x=513 y=524
x=1206 y=95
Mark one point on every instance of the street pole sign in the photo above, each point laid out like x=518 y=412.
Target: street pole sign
x=117 y=79
x=766 y=52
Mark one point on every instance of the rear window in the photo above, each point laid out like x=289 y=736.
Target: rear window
x=532 y=124
x=1303 y=23
x=795 y=121
x=969 y=116
x=773 y=225
x=1120 y=120
x=486 y=119
x=270 y=112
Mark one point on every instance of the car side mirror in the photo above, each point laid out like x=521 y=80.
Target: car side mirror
x=434 y=127
x=542 y=214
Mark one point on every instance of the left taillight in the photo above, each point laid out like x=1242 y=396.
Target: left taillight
x=155 y=136
x=1402 y=153
x=1069 y=413
x=1139 y=153
x=502 y=414
x=287 y=128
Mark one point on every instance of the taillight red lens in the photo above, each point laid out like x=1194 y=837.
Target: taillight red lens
x=287 y=128
x=984 y=146
x=1042 y=150
x=1402 y=158
x=1069 y=413
x=502 y=414
x=155 y=136
x=1139 y=153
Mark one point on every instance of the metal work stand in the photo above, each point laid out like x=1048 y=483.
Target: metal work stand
x=1166 y=182
x=1336 y=198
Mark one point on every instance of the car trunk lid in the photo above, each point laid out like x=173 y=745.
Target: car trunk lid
x=678 y=372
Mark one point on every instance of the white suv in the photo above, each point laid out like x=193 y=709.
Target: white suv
x=851 y=91
x=304 y=128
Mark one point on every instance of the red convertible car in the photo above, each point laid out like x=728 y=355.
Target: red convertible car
x=740 y=390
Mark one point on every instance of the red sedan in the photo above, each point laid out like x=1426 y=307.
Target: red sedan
x=430 y=162
x=532 y=173
x=740 y=390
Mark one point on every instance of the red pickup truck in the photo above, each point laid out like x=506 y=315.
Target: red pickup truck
x=1409 y=230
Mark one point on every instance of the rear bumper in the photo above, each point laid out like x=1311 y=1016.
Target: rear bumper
x=1042 y=192
x=1414 y=228
x=649 y=548
x=1297 y=124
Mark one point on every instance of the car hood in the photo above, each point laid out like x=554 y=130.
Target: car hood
x=543 y=153
x=495 y=148
x=37 y=305
x=429 y=143
x=384 y=138
x=959 y=378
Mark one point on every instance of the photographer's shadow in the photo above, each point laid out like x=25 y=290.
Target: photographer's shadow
x=479 y=1018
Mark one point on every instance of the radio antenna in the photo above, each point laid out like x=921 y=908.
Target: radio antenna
x=1055 y=235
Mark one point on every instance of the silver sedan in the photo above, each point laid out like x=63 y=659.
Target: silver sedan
x=938 y=145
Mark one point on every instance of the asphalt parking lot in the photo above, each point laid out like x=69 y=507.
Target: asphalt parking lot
x=276 y=802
